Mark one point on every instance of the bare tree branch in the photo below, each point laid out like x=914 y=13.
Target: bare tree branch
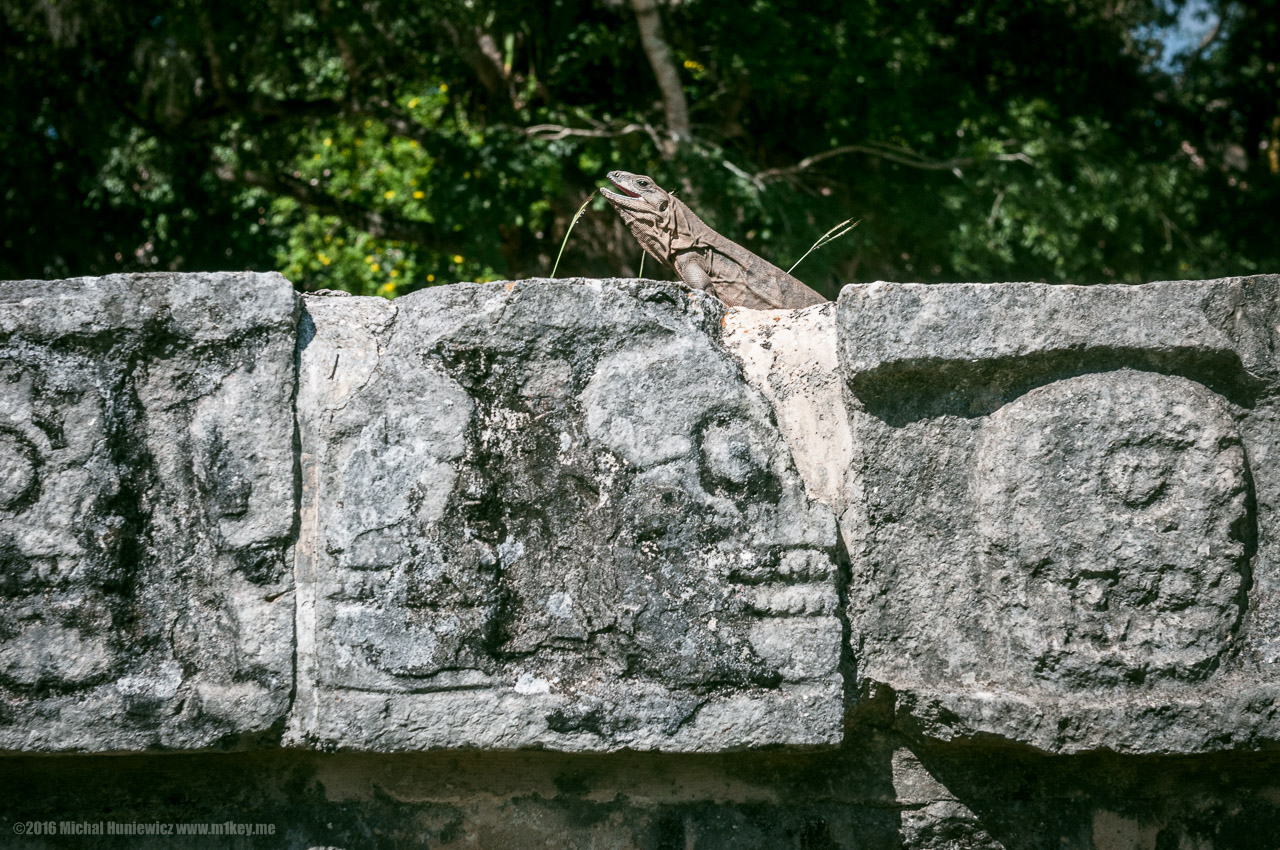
x=995 y=208
x=216 y=73
x=555 y=132
x=902 y=156
x=664 y=69
x=750 y=178
x=1209 y=38
x=266 y=110
x=480 y=51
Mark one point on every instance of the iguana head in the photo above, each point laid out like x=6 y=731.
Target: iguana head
x=647 y=211
x=639 y=194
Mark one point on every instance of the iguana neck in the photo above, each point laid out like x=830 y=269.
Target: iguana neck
x=667 y=234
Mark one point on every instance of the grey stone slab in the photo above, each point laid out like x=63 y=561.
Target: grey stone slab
x=552 y=514
x=147 y=504
x=1066 y=531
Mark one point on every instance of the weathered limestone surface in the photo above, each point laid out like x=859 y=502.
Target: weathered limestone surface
x=791 y=357
x=553 y=514
x=1066 y=530
x=146 y=510
x=603 y=564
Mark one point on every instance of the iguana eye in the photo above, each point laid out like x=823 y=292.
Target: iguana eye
x=642 y=182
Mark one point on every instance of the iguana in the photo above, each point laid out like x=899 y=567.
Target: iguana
x=669 y=231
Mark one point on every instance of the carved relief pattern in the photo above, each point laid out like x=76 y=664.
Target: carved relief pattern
x=1113 y=516
x=583 y=510
x=145 y=510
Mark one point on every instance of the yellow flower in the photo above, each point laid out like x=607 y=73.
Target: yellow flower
x=323 y=258
x=388 y=194
x=369 y=259
x=692 y=65
x=375 y=267
x=328 y=142
x=394 y=272
x=466 y=175
x=315 y=156
x=444 y=87
x=413 y=103
x=430 y=278
x=457 y=258
x=419 y=195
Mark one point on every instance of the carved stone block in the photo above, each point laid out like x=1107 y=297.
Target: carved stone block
x=146 y=510
x=552 y=514
x=1066 y=531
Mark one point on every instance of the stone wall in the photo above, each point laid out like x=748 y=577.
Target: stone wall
x=600 y=563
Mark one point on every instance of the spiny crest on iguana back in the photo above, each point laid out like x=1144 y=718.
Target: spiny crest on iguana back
x=673 y=235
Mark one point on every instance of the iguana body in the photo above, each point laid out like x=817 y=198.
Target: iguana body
x=669 y=231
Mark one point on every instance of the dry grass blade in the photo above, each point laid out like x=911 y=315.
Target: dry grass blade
x=830 y=236
x=576 y=216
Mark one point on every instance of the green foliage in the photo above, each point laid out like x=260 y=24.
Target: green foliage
x=379 y=148
x=364 y=164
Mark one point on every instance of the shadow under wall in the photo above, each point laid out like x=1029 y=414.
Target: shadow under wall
x=774 y=799
x=1024 y=799
x=877 y=791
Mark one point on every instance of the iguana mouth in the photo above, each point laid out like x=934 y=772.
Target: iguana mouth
x=629 y=201
x=623 y=189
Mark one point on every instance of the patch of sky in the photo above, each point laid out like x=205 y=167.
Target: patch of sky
x=1194 y=21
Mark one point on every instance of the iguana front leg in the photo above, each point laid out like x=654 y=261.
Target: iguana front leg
x=692 y=272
